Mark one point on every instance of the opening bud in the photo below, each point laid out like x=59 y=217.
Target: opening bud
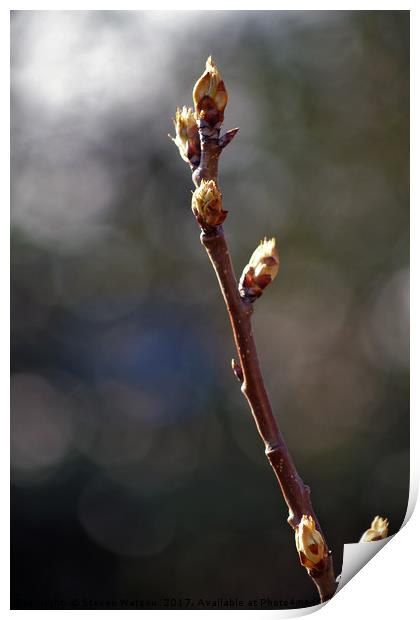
x=377 y=531
x=261 y=270
x=186 y=135
x=210 y=95
x=310 y=543
x=207 y=205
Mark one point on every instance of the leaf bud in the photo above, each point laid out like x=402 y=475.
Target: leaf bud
x=207 y=205
x=310 y=543
x=187 y=138
x=210 y=95
x=260 y=271
x=377 y=531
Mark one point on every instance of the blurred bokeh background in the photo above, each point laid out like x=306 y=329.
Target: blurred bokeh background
x=137 y=472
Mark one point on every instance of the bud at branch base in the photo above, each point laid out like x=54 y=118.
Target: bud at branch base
x=310 y=543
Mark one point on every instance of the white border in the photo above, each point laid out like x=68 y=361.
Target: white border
x=387 y=585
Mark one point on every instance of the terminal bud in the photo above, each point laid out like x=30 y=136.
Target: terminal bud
x=210 y=95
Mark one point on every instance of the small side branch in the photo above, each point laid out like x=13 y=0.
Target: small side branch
x=228 y=137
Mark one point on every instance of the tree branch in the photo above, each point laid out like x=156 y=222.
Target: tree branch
x=210 y=98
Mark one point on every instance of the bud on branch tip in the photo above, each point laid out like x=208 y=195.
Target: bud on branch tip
x=210 y=95
x=207 y=205
x=310 y=543
x=377 y=531
x=261 y=270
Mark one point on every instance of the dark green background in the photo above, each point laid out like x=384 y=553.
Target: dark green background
x=137 y=472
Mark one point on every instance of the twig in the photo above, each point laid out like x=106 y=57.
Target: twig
x=210 y=99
